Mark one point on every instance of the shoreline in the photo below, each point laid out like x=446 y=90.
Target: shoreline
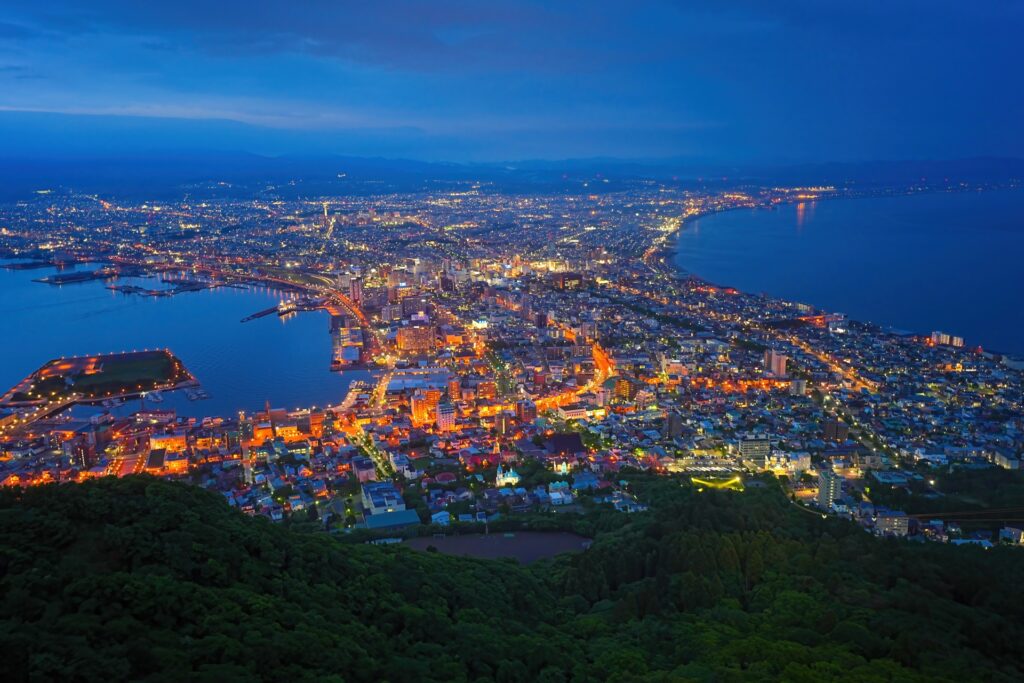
x=669 y=250
x=664 y=260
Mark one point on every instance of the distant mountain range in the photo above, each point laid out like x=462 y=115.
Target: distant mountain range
x=167 y=175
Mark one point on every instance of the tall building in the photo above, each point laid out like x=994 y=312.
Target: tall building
x=486 y=390
x=355 y=289
x=445 y=416
x=455 y=389
x=412 y=305
x=835 y=430
x=398 y=276
x=625 y=388
x=416 y=338
x=775 y=363
x=526 y=411
x=673 y=426
x=830 y=489
x=755 y=449
x=503 y=422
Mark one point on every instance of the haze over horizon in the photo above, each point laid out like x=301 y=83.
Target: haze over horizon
x=795 y=82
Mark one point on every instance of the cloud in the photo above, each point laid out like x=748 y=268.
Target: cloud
x=796 y=78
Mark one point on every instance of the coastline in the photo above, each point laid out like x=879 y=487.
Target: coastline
x=665 y=260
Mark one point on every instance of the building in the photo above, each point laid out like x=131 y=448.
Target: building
x=364 y=469
x=503 y=422
x=423 y=405
x=567 y=280
x=673 y=426
x=1011 y=535
x=355 y=289
x=526 y=411
x=416 y=338
x=946 y=339
x=755 y=450
x=392 y=520
x=830 y=489
x=573 y=411
x=624 y=389
x=775 y=363
x=835 y=430
x=503 y=478
x=445 y=416
x=892 y=523
x=381 y=496
x=171 y=443
x=788 y=464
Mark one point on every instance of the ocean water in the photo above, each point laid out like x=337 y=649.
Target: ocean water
x=922 y=262
x=241 y=365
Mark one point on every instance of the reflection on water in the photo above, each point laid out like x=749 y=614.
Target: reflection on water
x=241 y=365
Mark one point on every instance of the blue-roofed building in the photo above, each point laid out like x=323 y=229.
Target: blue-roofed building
x=392 y=520
x=380 y=497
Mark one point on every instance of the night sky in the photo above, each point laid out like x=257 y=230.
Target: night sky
x=775 y=81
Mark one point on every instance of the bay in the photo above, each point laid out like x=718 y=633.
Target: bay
x=921 y=262
x=240 y=365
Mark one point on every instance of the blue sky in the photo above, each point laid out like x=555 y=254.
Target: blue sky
x=747 y=80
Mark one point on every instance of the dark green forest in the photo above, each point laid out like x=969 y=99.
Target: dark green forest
x=141 y=579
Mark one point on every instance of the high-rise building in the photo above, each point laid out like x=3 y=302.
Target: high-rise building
x=830 y=489
x=625 y=388
x=755 y=449
x=445 y=416
x=503 y=423
x=416 y=338
x=412 y=305
x=835 y=430
x=673 y=426
x=775 y=363
x=423 y=406
x=399 y=276
x=526 y=411
x=454 y=389
x=391 y=312
x=355 y=289
x=486 y=390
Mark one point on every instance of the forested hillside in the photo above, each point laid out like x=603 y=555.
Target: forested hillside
x=142 y=579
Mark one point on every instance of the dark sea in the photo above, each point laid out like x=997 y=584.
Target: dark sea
x=940 y=261
x=240 y=365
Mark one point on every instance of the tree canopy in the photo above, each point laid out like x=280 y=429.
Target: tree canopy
x=142 y=579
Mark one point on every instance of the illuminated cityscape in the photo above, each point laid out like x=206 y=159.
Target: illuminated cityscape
x=511 y=342
x=526 y=333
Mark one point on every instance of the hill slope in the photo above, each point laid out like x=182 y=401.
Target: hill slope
x=147 y=580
